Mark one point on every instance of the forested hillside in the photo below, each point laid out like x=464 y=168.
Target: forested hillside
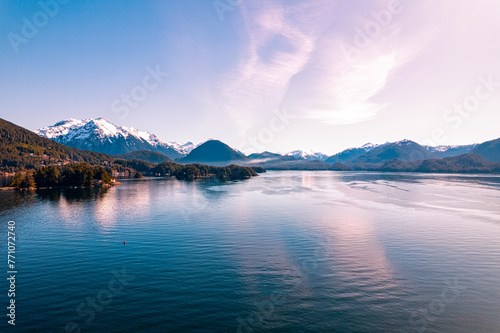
x=21 y=148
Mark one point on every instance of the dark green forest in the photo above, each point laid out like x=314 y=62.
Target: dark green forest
x=73 y=175
x=467 y=163
x=84 y=175
x=23 y=149
x=190 y=171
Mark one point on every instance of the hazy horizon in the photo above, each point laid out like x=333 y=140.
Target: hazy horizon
x=252 y=152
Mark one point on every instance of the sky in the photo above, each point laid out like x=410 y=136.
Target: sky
x=259 y=75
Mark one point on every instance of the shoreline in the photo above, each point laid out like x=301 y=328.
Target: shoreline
x=8 y=188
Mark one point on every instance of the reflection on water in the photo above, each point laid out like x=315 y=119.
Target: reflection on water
x=5 y=180
x=286 y=251
x=72 y=194
x=9 y=199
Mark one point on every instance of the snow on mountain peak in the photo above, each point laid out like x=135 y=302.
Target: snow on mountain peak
x=370 y=145
x=307 y=155
x=77 y=130
x=61 y=128
x=184 y=148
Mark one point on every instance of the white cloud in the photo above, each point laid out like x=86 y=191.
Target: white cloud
x=280 y=42
x=337 y=87
x=291 y=58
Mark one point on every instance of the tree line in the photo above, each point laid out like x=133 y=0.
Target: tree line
x=85 y=175
x=467 y=163
x=190 y=171
x=73 y=175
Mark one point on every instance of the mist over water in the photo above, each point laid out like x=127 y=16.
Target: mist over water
x=286 y=251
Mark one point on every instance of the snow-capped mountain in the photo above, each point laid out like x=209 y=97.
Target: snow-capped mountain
x=404 y=150
x=102 y=136
x=310 y=156
x=183 y=148
x=369 y=146
x=351 y=153
x=450 y=151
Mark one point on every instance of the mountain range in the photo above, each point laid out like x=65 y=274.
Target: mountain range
x=144 y=155
x=22 y=149
x=350 y=154
x=100 y=135
x=215 y=152
x=490 y=150
x=450 y=151
x=404 y=150
x=311 y=156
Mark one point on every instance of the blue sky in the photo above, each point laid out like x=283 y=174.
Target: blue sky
x=346 y=72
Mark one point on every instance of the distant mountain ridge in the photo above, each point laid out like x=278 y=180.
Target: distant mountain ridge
x=21 y=148
x=405 y=150
x=450 y=151
x=466 y=163
x=490 y=150
x=102 y=136
x=266 y=156
x=390 y=149
x=310 y=156
x=215 y=152
x=350 y=154
x=145 y=155
x=274 y=161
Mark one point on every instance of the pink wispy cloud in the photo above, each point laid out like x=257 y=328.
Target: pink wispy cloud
x=293 y=57
x=280 y=41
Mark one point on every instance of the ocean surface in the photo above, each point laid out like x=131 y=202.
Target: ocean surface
x=287 y=251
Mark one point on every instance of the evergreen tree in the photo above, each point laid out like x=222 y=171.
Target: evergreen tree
x=17 y=180
x=29 y=181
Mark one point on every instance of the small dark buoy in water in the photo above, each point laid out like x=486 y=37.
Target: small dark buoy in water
x=123 y=242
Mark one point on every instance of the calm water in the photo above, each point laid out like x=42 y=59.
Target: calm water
x=283 y=252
